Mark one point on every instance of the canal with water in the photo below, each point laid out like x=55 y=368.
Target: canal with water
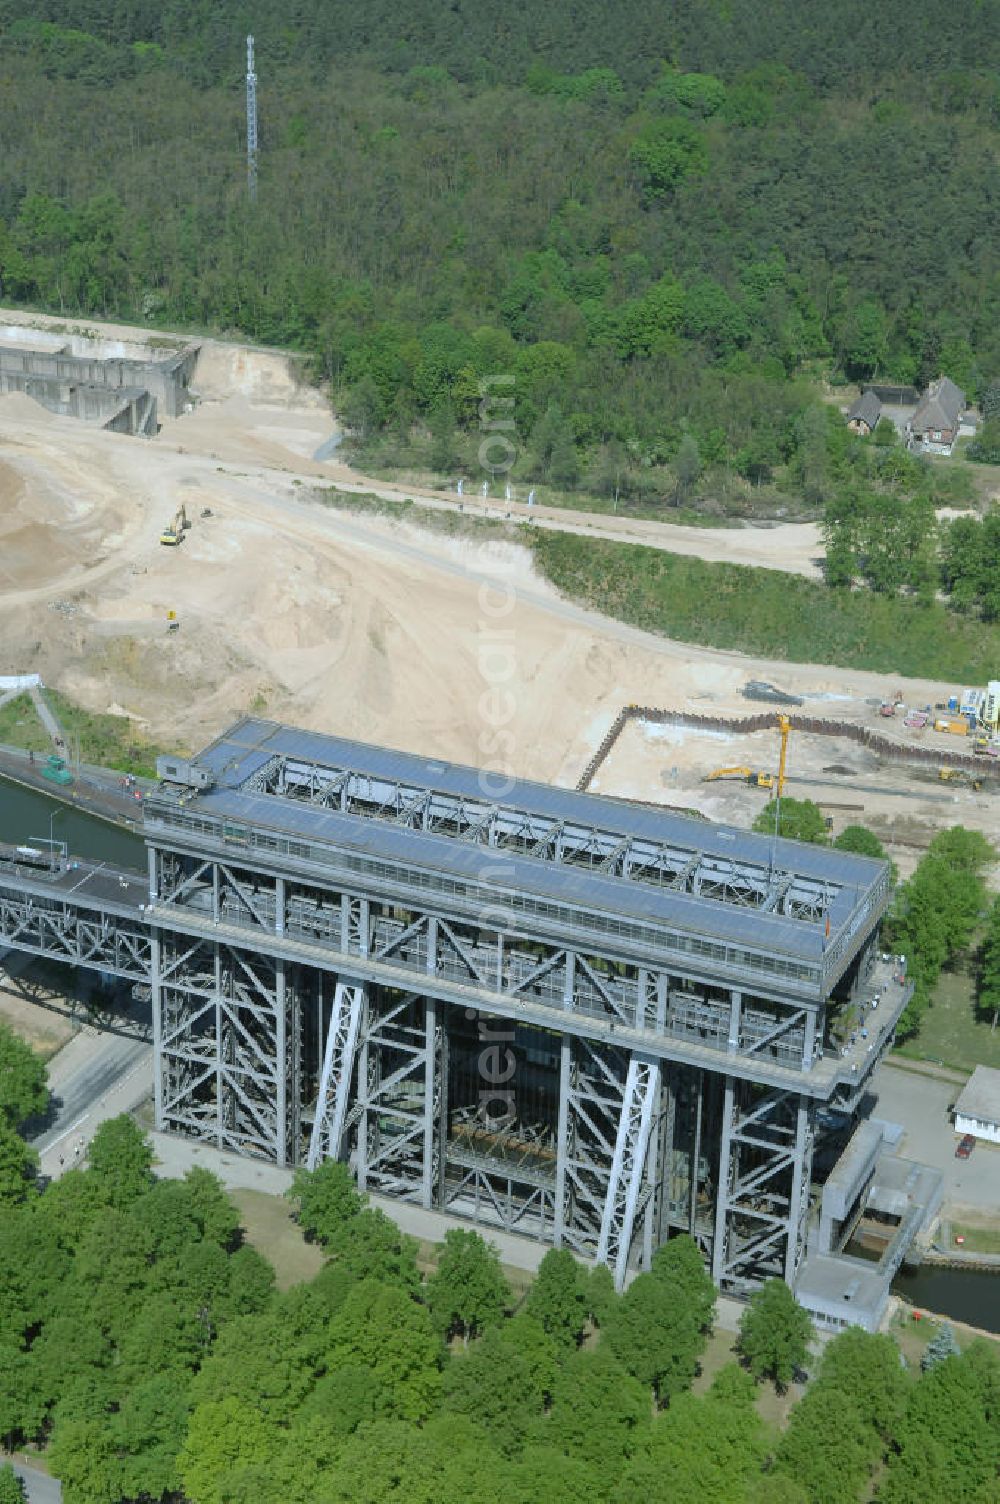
x=25 y=817
x=969 y=1295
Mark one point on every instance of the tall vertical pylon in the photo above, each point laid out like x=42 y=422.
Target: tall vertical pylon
x=251 y=123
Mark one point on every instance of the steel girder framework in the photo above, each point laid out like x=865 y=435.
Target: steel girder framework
x=226 y=1041
x=479 y=821
x=587 y=1191
x=496 y=968
x=627 y=1180
x=381 y=1093
x=765 y=1164
x=64 y=930
x=296 y=1017
x=397 y=1097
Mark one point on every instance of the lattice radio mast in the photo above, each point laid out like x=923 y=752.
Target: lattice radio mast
x=251 y=123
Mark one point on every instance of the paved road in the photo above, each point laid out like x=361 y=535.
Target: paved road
x=920 y=1103
x=94 y=1077
x=39 y=1487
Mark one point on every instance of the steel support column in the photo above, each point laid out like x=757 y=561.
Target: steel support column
x=326 y=1141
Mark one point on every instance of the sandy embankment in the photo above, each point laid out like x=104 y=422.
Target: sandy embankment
x=352 y=625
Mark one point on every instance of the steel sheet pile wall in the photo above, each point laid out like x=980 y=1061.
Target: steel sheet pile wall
x=865 y=736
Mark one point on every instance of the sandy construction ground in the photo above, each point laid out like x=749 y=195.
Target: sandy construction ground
x=354 y=625
x=852 y=786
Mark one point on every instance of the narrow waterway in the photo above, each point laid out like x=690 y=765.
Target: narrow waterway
x=25 y=816
x=970 y=1295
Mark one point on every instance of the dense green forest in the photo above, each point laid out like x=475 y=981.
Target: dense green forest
x=665 y=222
x=144 y=1345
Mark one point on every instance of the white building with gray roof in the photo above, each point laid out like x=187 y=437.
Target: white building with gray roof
x=977 y=1110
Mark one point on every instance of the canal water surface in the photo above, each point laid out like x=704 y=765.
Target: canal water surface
x=25 y=816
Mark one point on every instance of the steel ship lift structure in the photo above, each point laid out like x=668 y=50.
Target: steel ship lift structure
x=587 y=1021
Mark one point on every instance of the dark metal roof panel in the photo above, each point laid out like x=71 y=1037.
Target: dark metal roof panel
x=502 y=870
x=247 y=746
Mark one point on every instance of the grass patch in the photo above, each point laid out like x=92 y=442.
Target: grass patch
x=20 y=726
x=772 y=1407
x=913 y=1337
x=950 y=1032
x=764 y=612
x=109 y=741
x=270 y=1228
x=977 y=1239
x=447 y=520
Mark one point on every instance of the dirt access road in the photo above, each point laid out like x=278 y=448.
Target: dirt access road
x=353 y=625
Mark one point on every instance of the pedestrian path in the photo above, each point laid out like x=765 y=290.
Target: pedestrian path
x=48 y=719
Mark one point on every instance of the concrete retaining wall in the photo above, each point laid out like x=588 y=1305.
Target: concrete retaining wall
x=72 y=384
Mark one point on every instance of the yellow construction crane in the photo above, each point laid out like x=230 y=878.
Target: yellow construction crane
x=761 y=780
x=174 y=531
x=784 y=728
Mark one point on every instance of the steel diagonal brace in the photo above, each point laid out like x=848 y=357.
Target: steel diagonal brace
x=761 y=1175
x=405 y=935
x=642 y=1086
x=761 y=1109
x=782 y=882
x=612 y=859
x=548 y=841
x=536 y=973
x=757 y=1247
x=781 y=1027
x=460 y=951
x=338 y=1063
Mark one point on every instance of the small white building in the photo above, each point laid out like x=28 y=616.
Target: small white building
x=977 y=1110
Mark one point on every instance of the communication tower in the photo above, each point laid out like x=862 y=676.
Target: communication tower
x=251 y=123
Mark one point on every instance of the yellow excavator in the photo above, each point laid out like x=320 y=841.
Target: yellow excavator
x=746 y=775
x=761 y=780
x=959 y=775
x=174 y=531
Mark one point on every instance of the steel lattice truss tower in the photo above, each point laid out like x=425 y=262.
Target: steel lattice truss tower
x=251 y=122
x=587 y=1021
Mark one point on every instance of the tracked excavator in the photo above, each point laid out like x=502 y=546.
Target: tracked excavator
x=174 y=531
x=761 y=779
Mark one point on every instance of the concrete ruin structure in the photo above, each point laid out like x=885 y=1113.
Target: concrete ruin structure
x=116 y=385
x=586 y=1021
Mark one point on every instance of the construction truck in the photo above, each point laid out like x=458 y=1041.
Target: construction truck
x=953 y=724
x=174 y=531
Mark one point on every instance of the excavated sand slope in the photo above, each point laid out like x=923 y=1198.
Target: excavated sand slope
x=352 y=625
